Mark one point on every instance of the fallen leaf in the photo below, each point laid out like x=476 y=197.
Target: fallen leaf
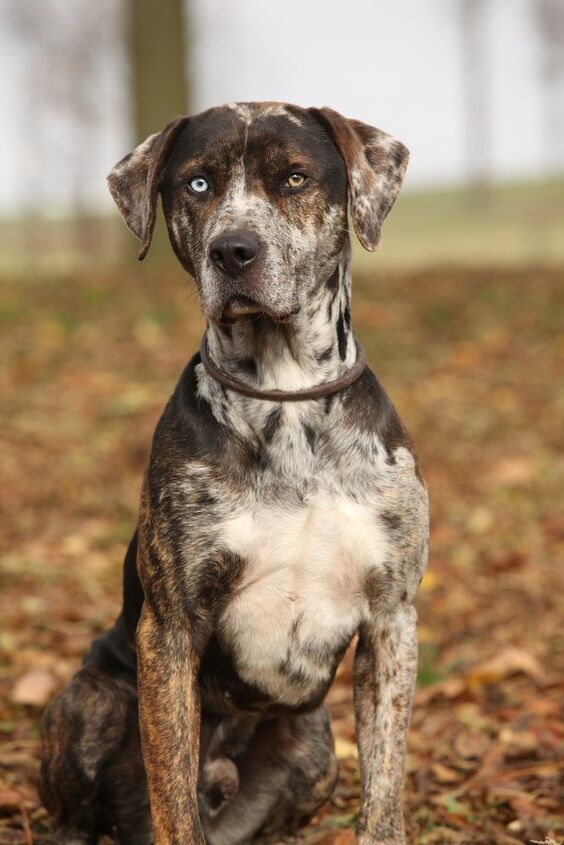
x=34 y=688
x=449 y=688
x=345 y=749
x=429 y=581
x=10 y=801
x=513 y=469
x=508 y=662
x=471 y=745
x=443 y=774
x=338 y=837
x=443 y=835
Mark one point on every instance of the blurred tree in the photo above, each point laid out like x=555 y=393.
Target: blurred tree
x=550 y=21
x=475 y=79
x=157 y=44
x=159 y=88
x=65 y=50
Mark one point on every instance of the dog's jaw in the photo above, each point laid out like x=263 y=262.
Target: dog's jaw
x=309 y=347
x=243 y=307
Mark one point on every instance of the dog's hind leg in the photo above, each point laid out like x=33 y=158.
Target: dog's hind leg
x=285 y=772
x=305 y=750
x=124 y=794
x=89 y=733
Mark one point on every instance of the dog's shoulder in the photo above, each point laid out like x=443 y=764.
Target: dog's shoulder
x=187 y=428
x=195 y=435
x=369 y=410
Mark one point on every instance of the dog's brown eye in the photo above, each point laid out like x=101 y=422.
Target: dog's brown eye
x=295 y=180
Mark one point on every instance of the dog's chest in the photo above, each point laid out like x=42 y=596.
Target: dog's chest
x=301 y=595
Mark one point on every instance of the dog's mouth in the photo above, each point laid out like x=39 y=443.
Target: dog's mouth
x=240 y=306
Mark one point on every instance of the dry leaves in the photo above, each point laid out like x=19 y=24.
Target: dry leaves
x=34 y=688
x=473 y=360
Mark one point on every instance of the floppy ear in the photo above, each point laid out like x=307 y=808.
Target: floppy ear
x=375 y=164
x=135 y=180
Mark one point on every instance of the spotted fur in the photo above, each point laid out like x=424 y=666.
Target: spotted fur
x=270 y=534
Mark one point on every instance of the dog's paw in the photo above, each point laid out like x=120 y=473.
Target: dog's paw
x=219 y=782
x=365 y=838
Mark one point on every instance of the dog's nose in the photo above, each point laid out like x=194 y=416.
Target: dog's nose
x=233 y=252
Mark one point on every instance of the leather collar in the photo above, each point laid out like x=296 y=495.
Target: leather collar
x=325 y=389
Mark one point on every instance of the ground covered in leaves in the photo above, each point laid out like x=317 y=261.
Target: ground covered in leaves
x=474 y=361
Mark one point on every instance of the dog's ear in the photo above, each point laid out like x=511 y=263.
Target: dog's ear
x=375 y=164
x=135 y=180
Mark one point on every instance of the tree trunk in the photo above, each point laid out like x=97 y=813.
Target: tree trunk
x=550 y=21
x=477 y=128
x=157 y=50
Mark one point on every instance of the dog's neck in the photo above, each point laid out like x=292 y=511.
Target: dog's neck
x=315 y=346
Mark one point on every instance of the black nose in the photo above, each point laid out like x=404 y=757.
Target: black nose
x=233 y=252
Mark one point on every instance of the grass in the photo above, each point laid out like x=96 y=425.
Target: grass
x=510 y=225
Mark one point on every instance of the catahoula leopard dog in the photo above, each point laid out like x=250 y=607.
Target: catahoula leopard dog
x=282 y=511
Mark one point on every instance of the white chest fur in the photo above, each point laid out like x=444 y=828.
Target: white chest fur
x=301 y=596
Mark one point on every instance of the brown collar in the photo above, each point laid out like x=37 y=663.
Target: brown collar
x=325 y=389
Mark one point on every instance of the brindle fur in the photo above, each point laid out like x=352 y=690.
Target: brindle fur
x=269 y=533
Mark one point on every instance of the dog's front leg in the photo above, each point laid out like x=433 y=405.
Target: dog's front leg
x=169 y=715
x=385 y=671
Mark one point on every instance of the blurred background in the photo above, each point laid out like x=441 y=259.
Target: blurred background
x=475 y=88
x=461 y=313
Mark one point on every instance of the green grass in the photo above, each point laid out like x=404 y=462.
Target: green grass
x=512 y=225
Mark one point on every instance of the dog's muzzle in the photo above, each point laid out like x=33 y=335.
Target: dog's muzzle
x=236 y=255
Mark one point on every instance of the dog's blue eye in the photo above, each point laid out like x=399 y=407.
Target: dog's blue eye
x=198 y=185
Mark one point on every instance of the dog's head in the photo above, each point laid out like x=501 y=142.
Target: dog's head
x=255 y=199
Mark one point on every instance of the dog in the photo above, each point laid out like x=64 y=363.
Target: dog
x=282 y=512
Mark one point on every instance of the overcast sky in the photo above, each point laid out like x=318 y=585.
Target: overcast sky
x=395 y=64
